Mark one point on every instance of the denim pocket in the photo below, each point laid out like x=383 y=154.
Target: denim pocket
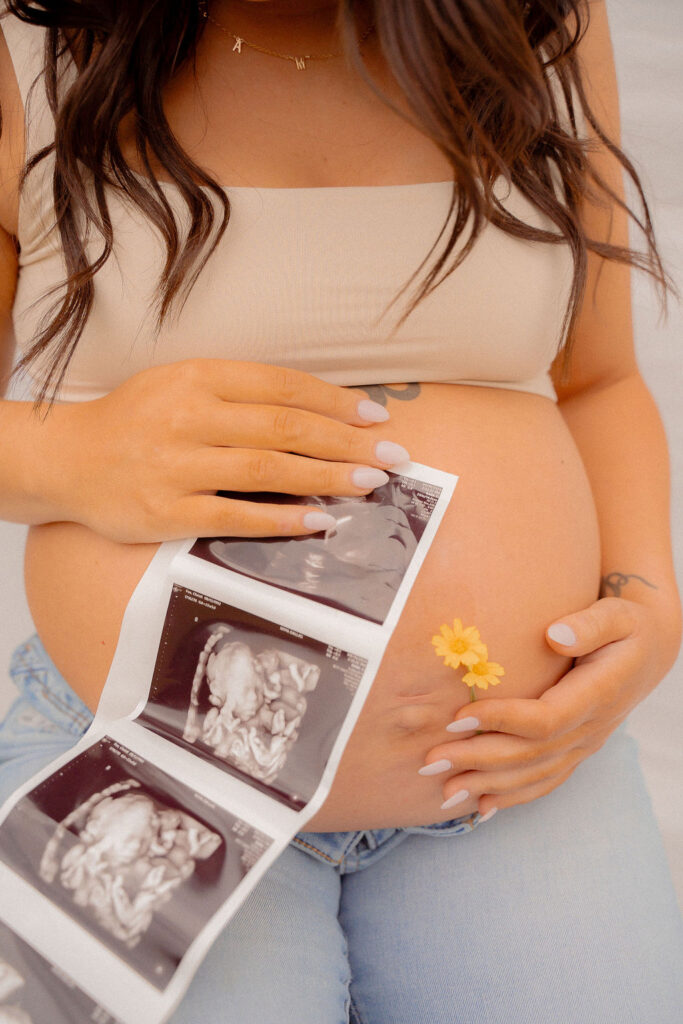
x=46 y=702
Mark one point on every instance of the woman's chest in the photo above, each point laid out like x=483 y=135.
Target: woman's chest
x=312 y=279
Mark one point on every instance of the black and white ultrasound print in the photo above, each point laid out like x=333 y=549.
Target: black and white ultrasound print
x=132 y=854
x=357 y=566
x=254 y=698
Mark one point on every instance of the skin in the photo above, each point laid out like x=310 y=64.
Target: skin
x=543 y=720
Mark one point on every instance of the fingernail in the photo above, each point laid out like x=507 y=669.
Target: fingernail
x=371 y=411
x=488 y=815
x=366 y=476
x=463 y=725
x=435 y=767
x=562 y=634
x=319 y=521
x=461 y=795
x=390 y=453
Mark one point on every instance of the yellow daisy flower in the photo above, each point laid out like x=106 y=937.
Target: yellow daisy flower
x=458 y=646
x=484 y=674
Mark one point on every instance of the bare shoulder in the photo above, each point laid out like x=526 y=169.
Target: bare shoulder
x=597 y=67
x=11 y=140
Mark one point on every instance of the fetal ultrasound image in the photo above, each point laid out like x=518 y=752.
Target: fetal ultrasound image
x=357 y=567
x=130 y=853
x=255 y=699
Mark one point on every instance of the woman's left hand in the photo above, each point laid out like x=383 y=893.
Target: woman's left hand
x=528 y=747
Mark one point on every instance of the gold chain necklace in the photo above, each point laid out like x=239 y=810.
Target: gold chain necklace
x=240 y=42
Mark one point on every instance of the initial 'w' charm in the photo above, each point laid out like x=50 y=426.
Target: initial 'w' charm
x=300 y=63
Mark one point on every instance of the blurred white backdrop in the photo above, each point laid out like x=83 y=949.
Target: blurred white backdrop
x=649 y=57
x=648 y=44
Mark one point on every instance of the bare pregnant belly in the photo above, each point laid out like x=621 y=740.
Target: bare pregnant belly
x=517 y=548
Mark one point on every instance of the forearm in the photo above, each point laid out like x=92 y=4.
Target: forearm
x=29 y=464
x=619 y=433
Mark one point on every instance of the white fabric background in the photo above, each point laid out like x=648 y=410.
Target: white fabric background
x=649 y=56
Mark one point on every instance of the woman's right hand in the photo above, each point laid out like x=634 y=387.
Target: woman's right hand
x=144 y=462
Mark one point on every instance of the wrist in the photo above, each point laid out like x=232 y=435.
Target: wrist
x=662 y=601
x=49 y=476
x=664 y=622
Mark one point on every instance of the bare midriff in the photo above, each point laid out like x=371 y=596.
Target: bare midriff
x=517 y=548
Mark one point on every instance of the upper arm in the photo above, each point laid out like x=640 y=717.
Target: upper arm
x=11 y=163
x=602 y=349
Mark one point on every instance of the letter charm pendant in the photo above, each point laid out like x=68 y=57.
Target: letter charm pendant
x=300 y=63
x=238 y=44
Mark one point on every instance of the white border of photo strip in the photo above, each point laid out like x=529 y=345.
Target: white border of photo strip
x=99 y=972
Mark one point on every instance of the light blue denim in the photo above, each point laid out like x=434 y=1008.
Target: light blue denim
x=561 y=911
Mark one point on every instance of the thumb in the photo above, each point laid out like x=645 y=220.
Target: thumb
x=603 y=622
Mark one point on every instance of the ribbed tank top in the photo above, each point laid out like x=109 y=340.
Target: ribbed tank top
x=301 y=278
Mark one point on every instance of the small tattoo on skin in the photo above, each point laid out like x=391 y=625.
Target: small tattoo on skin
x=381 y=392
x=613 y=584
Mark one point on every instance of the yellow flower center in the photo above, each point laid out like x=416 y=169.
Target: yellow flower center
x=458 y=645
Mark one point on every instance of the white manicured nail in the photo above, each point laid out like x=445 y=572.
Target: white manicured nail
x=390 y=453
x=463 y=725
x=366 y=476
x=562 y=634
x=435 y=767
x=458 y=798
x=371 y=411
x=319 y=521
x=488 y=815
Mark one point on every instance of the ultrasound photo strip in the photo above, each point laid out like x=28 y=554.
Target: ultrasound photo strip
x=122 y=861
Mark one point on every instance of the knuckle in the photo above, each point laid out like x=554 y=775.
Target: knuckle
x=575 y=757
x=353 y=446
x=288 y=427
x=288 y=385
x=494 y=721
x=180 y=419
x=152 y=515
x=261 y=468
x=237 y=520
x=342 y=403
x=327 y=479
x=526 y=757
x=548 y=724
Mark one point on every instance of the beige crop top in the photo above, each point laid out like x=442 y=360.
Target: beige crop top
x=300 y=278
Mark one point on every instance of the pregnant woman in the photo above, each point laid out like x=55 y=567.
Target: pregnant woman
x=230 y=276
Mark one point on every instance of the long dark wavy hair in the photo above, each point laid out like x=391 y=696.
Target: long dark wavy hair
x=477 y=78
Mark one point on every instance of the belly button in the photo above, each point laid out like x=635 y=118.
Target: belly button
x=414 y=718
x=416 y=698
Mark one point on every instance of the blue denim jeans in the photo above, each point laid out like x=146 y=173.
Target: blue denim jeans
x=562 y=910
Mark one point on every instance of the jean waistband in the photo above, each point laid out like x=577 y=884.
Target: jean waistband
x=352 y=851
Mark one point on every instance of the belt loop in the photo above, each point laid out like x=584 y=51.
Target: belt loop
x=370 y=839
